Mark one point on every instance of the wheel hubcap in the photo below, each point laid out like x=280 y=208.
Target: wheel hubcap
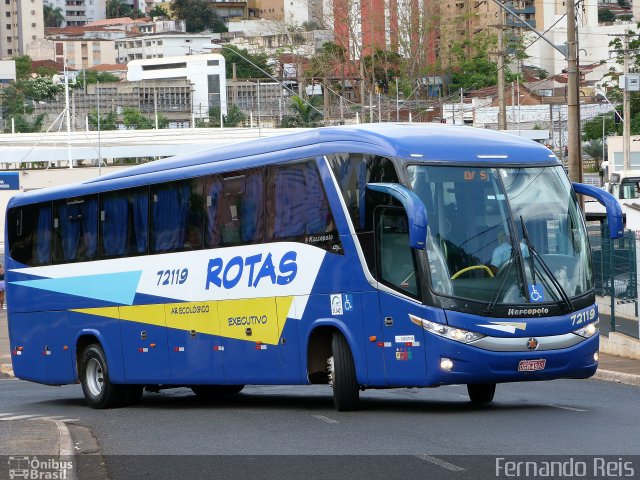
x=94 y=377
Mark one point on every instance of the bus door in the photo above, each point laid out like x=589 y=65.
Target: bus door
x=404 y=355
x=195 y=346
x=144 y=343
x=251 y=329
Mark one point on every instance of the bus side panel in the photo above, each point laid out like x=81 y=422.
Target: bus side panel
x=27 y=343
x=145 y=350
x=289 y=345
x=58 y=349
x=373 y=328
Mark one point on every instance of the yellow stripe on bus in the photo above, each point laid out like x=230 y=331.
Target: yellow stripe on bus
x=254 y=319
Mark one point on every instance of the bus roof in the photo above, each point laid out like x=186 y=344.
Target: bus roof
x=416 y=142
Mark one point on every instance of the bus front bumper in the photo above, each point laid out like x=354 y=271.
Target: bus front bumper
x=450 y=362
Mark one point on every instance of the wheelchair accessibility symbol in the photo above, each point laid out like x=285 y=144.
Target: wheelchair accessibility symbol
x=348 y=303
x=536 y=293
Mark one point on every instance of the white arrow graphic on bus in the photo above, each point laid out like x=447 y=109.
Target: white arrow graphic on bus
x=509 y=327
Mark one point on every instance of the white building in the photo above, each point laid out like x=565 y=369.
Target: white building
x=80 y=12
x=593 y=39
x=161 y=45
x=206 y=72
x=21 y=26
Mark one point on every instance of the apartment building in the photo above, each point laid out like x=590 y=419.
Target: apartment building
x=166 y=44
x=21 y=25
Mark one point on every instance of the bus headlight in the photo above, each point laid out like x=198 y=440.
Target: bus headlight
x=452 y=333
x=589 y=330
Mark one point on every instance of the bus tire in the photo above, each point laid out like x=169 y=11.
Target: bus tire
x=211 y=392
x=481 y=393
x=93 y=371
x=346 y=391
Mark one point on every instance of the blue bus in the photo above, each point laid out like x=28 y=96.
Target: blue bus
x=369 y=256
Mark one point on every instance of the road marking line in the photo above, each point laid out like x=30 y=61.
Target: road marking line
x=325 y=419
x=5 y=414
x=65 y=420
x=441 y=463
x=16 y=417
x=566 y=408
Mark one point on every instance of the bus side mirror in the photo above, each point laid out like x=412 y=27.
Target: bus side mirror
x=614 y=211
x=416 y=211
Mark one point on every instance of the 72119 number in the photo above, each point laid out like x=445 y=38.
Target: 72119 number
x=173 y=277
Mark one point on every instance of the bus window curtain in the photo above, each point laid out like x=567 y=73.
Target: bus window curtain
x=252 y=206
x=114 y=227
x=90 y=226
x=213 y=229
x=69 y=231
x=290 y=202
x=317 y=209
x=170 y=217
x=140 y=204
x=43 y=240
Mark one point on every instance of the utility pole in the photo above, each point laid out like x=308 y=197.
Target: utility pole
x=502 y=108
x=573 y=99
x=626 y=107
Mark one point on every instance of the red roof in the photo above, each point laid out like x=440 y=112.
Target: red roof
x=58 y=66
x=109 y=67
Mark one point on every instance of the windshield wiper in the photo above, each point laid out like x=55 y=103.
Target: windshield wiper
x=500 y=289
x=545 y=267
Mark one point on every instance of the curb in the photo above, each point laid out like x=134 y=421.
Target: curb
x=6 y=369
x=618 y=377
x=67 y=452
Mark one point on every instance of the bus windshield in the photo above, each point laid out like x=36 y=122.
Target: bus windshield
x=477 y=216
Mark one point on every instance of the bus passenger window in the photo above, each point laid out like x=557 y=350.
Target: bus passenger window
x=29 y=233
x=169 y=209
x=297 y=206
x=124 y=217
x=75 y=230
x=240 y=210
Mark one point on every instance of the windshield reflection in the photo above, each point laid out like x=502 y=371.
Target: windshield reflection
x=476 y=243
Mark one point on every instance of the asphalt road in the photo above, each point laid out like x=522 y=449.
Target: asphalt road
x=280 y=432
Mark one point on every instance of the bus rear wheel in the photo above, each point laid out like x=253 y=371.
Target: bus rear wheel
x=482 y=393
x=342 y=375
x=98 y=390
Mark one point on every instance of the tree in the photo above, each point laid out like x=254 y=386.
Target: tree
x=91 y=76
x=22 y=125
x=158 y=11
x=605 y=15
x=133 y=119
x=233 y=118
x=199 y=15
x=23 y=67
x=592 y=129
x=108 y=121
x=306 y=113
x=594 y=150
x=53 y=16
x=245 y=62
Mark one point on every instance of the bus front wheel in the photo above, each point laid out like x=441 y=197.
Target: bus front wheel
x=94 y=377
x=482 y=393
x=342 y=370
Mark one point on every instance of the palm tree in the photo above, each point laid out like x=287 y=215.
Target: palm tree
x=306 y=114
x=53 y=16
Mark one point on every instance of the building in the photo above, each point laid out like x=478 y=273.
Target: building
x=141 y=25
x=22 y=25
x=166 y=44
x=84 y=47
x=205 y=72
x=81 y=12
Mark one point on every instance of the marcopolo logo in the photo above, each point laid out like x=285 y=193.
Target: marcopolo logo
x=528 y=311
x=252 y=270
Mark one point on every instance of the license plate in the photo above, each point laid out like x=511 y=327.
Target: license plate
x=531 y=365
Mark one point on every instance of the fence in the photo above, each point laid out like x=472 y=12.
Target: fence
x=615 y=270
